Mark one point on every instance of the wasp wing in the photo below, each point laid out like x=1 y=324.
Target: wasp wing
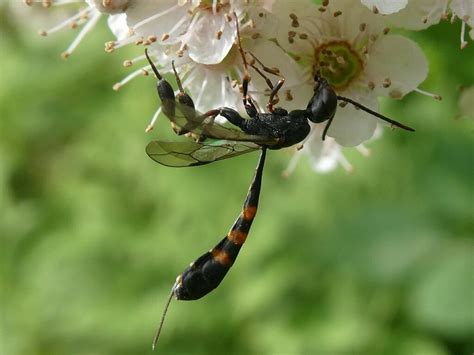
x=184 y=119
x=183 y=154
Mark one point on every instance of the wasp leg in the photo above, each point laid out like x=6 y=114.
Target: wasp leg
x=207 y=272
x=169 y=101
x=246 y=99
x=273 y=100
x=186 y=105
x=231 y=115
x=165 y=90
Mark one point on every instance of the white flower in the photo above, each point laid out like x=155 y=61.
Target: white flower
x=351 y=47
x=200 y=38
x=420 y=14
x=205 y=29
x=325 y=156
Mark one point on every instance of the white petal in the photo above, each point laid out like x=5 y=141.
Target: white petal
x=351 y=127
x=398 y=59
x=386 y=7
x=464 y=9
x=110 y=7
x=167 y=13
x=282 y=10
x=118 y=26
x=204 y=44
x=347 y=25
x=210 y=89
x=419 y=14
x=324 y=155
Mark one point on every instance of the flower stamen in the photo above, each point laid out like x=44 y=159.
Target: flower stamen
x=142 y=71
x=85 y=30
x=429 y=94
x=151 y=125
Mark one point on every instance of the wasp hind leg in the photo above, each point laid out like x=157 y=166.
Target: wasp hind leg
x=169 y=101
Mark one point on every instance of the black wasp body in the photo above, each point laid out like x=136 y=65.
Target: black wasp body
x=274 y=129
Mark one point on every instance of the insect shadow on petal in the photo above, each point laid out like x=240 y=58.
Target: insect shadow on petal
x=275 y=129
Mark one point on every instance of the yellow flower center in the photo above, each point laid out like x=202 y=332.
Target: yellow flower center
x=339 y=63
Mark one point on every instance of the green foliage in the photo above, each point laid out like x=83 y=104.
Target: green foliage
x=93 y=232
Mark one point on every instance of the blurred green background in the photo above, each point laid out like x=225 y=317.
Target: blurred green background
x=93 y=233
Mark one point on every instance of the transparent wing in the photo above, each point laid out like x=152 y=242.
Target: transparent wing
x=183 y=154
x=185 y=118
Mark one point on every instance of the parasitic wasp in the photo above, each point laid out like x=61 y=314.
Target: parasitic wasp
x=213 y=141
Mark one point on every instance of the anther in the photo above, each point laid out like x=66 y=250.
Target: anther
x=395 y=94
x=109 y=46
x=386 y=83
x=337 y=13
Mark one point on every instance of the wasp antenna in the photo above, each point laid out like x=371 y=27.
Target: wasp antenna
x=157 y=73
x=178 y=80
x=158 y=331
x=376 y=114
x=326 y=129
x=239 y=42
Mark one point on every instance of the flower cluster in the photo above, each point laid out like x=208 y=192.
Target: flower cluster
x=348 y=42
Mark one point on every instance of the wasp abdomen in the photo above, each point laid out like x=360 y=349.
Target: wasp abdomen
x=207 y=272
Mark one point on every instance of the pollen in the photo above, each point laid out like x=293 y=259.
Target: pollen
x=339 y=63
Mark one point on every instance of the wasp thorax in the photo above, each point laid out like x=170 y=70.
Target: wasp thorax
x=338 y=63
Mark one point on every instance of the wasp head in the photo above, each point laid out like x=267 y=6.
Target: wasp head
x=322 y=106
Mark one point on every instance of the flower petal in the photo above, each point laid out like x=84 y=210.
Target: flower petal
x=211 y=39
x=351 y=126
x=397 y=63
x=162 y=15
x=323 y=155
x=118 y=26
x=386 y=7
x=419 y=14
x=464 y=9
